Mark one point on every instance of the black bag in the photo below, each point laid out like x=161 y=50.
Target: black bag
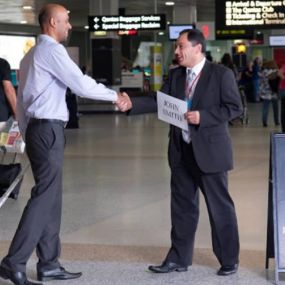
x=8 y=174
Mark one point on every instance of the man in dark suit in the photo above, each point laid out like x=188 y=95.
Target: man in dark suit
x=201 y=156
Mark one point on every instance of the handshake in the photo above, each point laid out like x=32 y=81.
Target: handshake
x=123 y=102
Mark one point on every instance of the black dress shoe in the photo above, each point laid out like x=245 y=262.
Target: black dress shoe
x=227 y=270
x=57 y=274
x=167 y=267
x=18 y=278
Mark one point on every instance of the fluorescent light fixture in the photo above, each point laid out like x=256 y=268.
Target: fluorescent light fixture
x=86 y=27
x=23 y=22
x=27 y=8
x=169 y=3
x=161 y=33
x=100 y=33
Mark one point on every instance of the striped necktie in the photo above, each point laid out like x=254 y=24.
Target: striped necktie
x=190 y=76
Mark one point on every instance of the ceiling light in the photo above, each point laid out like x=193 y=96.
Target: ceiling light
x=100 y=33
x=27 y=8
x=24 y=22
x=161 y=33
x=169 y=3
x=86 y=27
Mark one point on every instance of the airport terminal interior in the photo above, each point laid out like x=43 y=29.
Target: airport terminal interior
x=116 y=218
x=116 y=185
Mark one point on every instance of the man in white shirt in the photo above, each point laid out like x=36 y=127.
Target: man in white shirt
x=45 y=73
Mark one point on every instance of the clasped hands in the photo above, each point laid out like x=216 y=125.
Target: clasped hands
x=123 y=102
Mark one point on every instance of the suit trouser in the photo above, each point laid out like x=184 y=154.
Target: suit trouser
x=40 y=222
x=282 y=93
x=185 y=180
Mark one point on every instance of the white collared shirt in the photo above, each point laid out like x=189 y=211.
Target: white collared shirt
x=45 y=73
x=196 y=70
x=198 y=67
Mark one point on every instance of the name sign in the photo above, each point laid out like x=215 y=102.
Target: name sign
x=130 y=22
x=171 y=110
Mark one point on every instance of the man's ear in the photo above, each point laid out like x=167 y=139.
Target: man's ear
x=52 y=22
x=200 y=47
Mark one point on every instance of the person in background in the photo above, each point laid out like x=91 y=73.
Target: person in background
x=269 y=91
x=209 y=56
x=281 y=92
x=200 y=157
x=7 y=94
x=45 y=73
x=256 y=73
x=173 y=64
x=227 y=61
x=246 y=81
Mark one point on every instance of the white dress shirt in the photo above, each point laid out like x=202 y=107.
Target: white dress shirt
x=45 y=73
x=196 y=70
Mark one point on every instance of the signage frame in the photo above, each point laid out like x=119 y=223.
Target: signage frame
x=144 y=22
x=243 y=11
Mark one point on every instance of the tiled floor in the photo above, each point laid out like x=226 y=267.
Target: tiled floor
x=116 y=203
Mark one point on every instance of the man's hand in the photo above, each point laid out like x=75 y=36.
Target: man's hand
x=124 y=102
x=193 y=117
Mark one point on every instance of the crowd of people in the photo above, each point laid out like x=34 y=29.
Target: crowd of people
x=262 y=81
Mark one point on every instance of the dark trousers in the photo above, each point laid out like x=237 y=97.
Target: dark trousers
x=185 y=180
x=265 y=110
x=283 y=111
x=40 y=223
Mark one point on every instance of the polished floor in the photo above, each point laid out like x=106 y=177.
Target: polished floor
x=116 y=216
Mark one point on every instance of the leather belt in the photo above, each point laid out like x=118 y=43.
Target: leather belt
x=35 y=121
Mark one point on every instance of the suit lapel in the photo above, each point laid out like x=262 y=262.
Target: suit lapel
x=202 y=84
x=180 y=84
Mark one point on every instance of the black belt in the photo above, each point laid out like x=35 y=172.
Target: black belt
x=35 y=121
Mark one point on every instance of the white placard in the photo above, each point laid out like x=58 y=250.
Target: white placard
x=171 y=110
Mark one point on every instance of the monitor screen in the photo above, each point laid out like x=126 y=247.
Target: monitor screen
x=174 y=30
x=277 y=40
x=14 y=47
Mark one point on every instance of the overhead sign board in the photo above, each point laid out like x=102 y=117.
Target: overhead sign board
x=130 y=22
x=249 y=15
x=227 y=33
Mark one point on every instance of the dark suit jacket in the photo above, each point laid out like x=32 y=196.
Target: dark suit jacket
x=217 y=99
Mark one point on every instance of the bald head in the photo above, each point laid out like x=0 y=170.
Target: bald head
x=54 y=21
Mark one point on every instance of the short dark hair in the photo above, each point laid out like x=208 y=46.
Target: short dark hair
x=195 y=36
x=43 y=16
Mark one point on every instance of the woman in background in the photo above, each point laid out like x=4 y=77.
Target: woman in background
x=269 y=81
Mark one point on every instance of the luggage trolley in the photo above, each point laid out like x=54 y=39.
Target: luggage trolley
x=11 y=174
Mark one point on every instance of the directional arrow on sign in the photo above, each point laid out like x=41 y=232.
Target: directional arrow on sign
x=96 y=19
x=96 y=26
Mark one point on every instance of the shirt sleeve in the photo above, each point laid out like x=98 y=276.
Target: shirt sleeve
x=5 y=70
x=20 y=114
x=66 y=71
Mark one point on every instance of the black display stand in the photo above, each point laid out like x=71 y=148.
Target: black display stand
x=275 y=247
